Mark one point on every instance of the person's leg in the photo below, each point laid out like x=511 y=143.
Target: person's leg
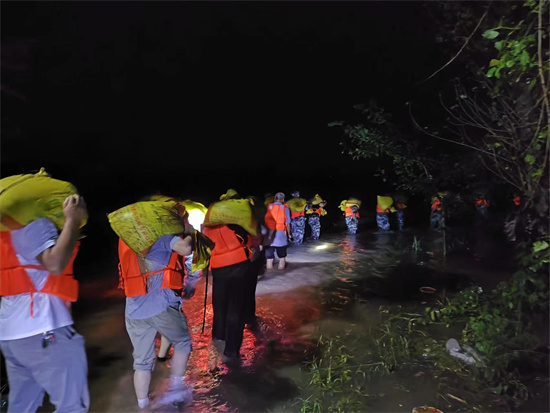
x=235 y=292
x=25 y=394
x=172 y=324
x=163 y=349
x=142 y=335
x=250 y=298
x=269 y=255
x=281 y=253
x=315 y=224
x=219 y=303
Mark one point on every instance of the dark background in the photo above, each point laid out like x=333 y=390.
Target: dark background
x=124 y=99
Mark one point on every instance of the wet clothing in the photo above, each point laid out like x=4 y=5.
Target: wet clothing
x=436 y=215
x=171 y=323
x=436 y=219
x=352 y=218
x=159 y=310
x=314 y=222
x=229 y=290
x=60 y=369
x=280 y=239
x=43 y=352
x=401 y=219
x=270 y=252
x=383 y=221
x=157 y=299
x=352 y=224
x=298 y=229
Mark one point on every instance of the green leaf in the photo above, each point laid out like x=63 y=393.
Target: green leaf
x=524 y=58
x=510 y=63
x=490 y=34
x=494 y=62
x=498 y=45
x=491 y=72
x=529 y=159
x=539 y=246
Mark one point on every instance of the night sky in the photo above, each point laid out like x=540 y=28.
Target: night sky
x=127 y=98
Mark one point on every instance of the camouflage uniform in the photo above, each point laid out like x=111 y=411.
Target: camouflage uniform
x=314 y=222
x=298 y=225
x=401 y=219
x=436 y=219
x=352 y=223
x=383 y=221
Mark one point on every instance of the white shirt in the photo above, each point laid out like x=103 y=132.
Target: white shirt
x=48 y=311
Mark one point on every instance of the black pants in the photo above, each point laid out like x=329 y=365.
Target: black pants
x=228 y=301
x=250 y=295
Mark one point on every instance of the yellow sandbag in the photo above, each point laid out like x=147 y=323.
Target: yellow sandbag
x=384 y=201
x=349 y=203
x=317 y=200
x=192 y=206
x=232 y=211
x=202 y=251
x=25 y=198
x=142 y=223
x=297 y=204
x=230 y=194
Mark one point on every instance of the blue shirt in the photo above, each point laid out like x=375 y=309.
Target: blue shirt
x=157 y=299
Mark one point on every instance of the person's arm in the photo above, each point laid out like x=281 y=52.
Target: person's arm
x=184 y=246
x=56 y=258
x=288 y=224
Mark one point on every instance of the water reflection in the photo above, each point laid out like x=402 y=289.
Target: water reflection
x=329 y=290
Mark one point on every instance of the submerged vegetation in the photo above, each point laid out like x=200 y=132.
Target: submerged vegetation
x=498 y=121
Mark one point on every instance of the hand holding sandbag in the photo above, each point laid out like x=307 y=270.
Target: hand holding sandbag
x=25 y=198
x=74 y=208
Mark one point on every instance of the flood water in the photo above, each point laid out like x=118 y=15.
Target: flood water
x=330 y=287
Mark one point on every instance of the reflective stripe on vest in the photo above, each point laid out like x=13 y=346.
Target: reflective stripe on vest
x=228 y=249
x=14 y=278
x=134 y=282
x=275 y=217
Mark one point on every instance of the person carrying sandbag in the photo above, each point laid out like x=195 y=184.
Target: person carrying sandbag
x=149 y=279
x=43 y=351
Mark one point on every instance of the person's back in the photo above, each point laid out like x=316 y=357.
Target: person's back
x=278 y=222
x=37 y=289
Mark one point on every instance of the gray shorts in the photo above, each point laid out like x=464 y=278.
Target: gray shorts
x=171 y=323
x=60 y=369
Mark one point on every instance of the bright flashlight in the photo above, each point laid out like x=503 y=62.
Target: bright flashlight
x=322 y=247
x=196 y=218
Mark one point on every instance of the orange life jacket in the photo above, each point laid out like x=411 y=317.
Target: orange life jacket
x=482 y=202
x=400 y=205
x=229 y=248
x=436 y=205
x=297 y=214
x=379 y=210
x=349 y=213
x=134 y=282
x=275 y=217
x=14 y=278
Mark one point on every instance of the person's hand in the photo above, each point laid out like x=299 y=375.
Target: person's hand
x=290 y=237
x=188 y=291
x=74 y=208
